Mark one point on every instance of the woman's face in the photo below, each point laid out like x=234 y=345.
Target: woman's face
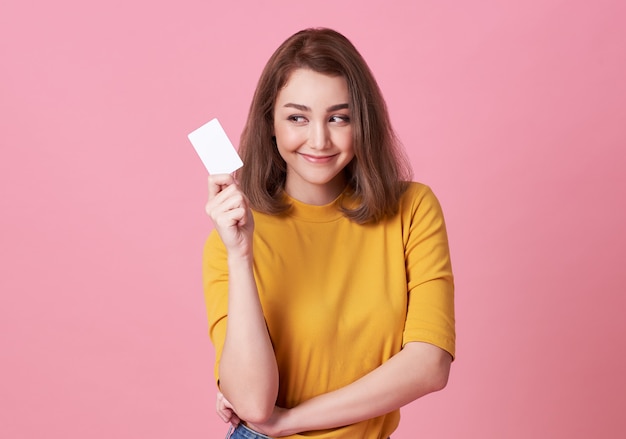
x=313 y=133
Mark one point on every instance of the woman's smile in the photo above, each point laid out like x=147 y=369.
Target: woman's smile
x=318 y=159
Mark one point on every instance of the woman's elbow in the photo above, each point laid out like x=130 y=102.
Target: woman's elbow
x=440 y=372
x=252 y=399
x=256 y=414
x=253 y=405
x=440 y=379
x=434 y=366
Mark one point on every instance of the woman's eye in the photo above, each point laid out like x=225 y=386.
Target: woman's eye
x=343 y=119
x=297 y=119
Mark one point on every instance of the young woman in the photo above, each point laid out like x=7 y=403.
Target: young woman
x=327 y=278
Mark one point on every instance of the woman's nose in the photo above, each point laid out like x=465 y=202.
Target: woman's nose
x=319 y=137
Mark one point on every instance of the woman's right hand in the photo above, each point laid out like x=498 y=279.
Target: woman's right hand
x=229 y=210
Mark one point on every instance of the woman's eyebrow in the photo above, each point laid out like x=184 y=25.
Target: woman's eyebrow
x=297 y=106
x=305 y=108
x=338 y=107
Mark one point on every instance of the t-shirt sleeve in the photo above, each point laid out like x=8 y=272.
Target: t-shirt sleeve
x=430 y=314
x=215 y=281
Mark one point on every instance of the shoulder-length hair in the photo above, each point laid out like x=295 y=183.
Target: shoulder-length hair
x=378 y=174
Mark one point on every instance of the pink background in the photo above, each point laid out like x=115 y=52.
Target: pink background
x=514 y=112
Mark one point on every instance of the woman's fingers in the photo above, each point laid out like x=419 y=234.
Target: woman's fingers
x=230 y=203
x=228 y=207
x=220 y=407
x=225 y=410
x=231 y=218
x=234 y=419
x=218 y=182
x=229 y=210
x=227 y=197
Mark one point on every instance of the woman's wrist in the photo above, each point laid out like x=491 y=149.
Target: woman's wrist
x=237 y=260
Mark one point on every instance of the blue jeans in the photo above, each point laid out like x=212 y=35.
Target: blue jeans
x=243 y=432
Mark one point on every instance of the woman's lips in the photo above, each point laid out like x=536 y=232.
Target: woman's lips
x=318 y=158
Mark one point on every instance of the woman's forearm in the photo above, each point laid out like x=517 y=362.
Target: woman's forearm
x=417 y=370
x=248 y=371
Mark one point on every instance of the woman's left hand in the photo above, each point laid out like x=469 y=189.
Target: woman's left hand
x=225 y=410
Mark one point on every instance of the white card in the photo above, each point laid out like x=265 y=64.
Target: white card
x=215 y=149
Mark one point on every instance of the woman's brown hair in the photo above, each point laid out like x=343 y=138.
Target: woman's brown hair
x=377 y=174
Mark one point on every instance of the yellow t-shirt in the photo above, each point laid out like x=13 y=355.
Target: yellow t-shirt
x=341 y=298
